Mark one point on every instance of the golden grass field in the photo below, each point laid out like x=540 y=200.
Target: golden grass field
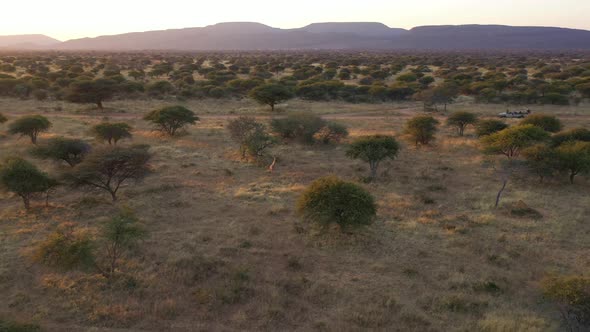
x=227 y=252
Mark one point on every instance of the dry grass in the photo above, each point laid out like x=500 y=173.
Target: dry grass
x=227 y=252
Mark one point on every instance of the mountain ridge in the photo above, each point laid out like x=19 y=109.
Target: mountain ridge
x=327 y=35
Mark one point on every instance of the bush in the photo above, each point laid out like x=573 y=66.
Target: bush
x=30 y=125
x=70 y=150
x=11 y=326
x=546 y=122
x=111 y=132
x=574 y=158
x=170 y=119
x=373 y=149
x=331 y=200
x=572 y=296
x=24 y=179
x=421 y=129
x=488 y=127
x=251 y=135
x=66 y=249
x=120 y=234
x=3 y=118
x=576 y=134
x=332 y=132
x=540 y=160
x=299 y=126
x=461 y=120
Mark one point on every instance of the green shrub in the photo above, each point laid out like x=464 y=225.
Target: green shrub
x=66 y=249
x=511 y=141
x=420 y=129
x=576 y=134
x=489 y=126
x=572 y=296
x=548 y=123
x=332 y=132
x=574 y=158
x=251 y=135
x=299 y=126
x=331 y=200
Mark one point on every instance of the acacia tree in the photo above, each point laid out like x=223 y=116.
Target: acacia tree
x=170 y=119
x=373 y=149
x=92 y=92
x=420 y=129
x=461 y=120
x=541 y=160
x=24 y=179
x=489 y=126
x=574 y=157
x=576 y=134
x=547 y=122
x=111 y=132
x=271 y=94
x=510 y=142
x=108 y=169
x=70 y=150
x=30 y=125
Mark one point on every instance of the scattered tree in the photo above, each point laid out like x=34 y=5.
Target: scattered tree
x=250 y=134
x=541 y=160
x=421 y=129
x=511 y=141
x=170 y=119
x=92 y=92
x=24 y=179
x=271 y=94
x=300 y=126
x=30 y=125
x=108 y=169
x=574 y=157
x=70 y=150
x=111 y=132
x=122 y=233
x=461 y=120
x=489 y=126
x=373 y=149
x=331 y=200
x=576 y=134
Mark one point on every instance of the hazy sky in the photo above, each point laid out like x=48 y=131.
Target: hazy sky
x=66 y=19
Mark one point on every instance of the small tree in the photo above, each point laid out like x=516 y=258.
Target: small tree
x=70 y=150
x=66 y=249
x=170 y=119
x=122 y=233
x=332 y=132
x=576 y=134
x=111 y=132
x=331 y=200
x=24 y=179
x=108 y=169
x=271 y=94
x=300 y=126
x=92 y=92
x=548 y=123
x=373 y=149
x=540 y=159
x=510 y=142
x=574 y=158
x=30 y=125
x=489 y=126
x=461 y=120
x=421 y=129
x=250 y=135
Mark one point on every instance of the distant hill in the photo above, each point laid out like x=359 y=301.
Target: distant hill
x=355 y=35
x=27 y=41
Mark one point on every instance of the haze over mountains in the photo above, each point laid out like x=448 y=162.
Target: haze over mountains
x=357 y=35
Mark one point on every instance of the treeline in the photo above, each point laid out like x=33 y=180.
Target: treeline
x=434 y=78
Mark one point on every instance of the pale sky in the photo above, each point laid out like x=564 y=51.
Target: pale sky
x=67 y=19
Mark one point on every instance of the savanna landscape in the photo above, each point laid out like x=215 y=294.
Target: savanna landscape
x=294 y=190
